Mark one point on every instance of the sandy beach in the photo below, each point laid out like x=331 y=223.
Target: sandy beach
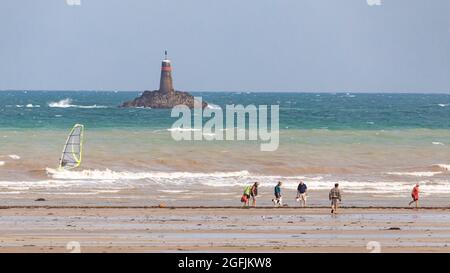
x=228 y=229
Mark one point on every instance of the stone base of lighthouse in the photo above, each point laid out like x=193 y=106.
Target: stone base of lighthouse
x=161 y=99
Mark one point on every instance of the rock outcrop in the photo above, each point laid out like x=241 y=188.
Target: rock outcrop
x=161 y=99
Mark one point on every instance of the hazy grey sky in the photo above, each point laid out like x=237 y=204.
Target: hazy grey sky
x=247 y=45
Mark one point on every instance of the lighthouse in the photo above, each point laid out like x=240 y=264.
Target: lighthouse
x=165 y=83
x=166 y=97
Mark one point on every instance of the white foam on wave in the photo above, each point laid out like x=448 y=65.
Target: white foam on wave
x=173 y=191
x=213 y=106
x=15 y=157
x=29 y=105
x=224 y=179
x=25 y=185
x=183 y=129
x=56 y=184
x=236 y=179
x=443 y=166
x=182 y=182
x=10 y=192
x=2 y=163
x=443 y=104
x=107 y=191
x=437 y=143
x=127 y=175
x=417 y=174
x=90 y=106
x=67 y=103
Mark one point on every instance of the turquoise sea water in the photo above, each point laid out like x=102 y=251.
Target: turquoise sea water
x=376 y=145
x=340 y=111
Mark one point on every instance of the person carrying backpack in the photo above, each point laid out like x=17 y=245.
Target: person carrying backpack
x=246 y=196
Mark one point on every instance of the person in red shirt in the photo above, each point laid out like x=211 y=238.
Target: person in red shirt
x=415 y=196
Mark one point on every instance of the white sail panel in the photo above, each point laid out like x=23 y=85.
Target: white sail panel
x=73 y=149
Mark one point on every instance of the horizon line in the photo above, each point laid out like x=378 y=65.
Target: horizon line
x=239 y=91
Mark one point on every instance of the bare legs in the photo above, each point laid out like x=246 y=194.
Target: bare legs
x=303 y=200
x=334 y=205
x=416 y=203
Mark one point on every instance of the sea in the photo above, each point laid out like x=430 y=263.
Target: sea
x=376 y=146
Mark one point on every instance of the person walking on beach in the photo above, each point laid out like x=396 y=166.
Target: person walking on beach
x=335 y=197
x=246 y=196
x=278 y=201
x=254 y=193
x=415 y=196
x=301 y=193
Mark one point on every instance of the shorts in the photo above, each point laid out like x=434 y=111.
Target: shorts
x=334 y=202
x=302 y=196
x=245 y=198
x=414 y=198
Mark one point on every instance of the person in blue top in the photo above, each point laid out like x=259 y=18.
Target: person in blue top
x=301 y=193
x=278 y=201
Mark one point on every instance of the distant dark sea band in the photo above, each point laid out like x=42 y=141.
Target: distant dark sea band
x=331 y=111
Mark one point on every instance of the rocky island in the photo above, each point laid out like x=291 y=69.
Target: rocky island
x=166 y=96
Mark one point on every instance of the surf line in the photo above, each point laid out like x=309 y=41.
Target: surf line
x=236 y=126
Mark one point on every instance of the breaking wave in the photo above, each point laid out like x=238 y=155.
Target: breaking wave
x=417 y=174
x=67 y=103
x=183 y=129
x=15 y=157
x=184 y=180
x=29 y=105
x=127 y=175
x=213 y=106
x=445 y=167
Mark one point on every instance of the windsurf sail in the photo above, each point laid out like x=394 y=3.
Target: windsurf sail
x=73 y=149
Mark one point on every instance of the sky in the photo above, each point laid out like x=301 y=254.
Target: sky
x=232 y=45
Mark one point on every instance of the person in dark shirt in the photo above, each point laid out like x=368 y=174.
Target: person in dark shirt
x=301 y=193
x=254 y=193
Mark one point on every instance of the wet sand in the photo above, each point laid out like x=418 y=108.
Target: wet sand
x=134 y=229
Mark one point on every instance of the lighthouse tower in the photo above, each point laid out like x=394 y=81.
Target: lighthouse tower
x=165 y=84
x=166 y=97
